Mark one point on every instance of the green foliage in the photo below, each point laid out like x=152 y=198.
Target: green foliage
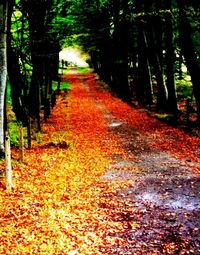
x=20 y=32
x=63 y=85
x=13 y=128
x=12 y=123
x=184 y=88
x=8 y=93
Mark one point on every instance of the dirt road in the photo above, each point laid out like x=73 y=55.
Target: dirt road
x=103 y=179
x=160 y=203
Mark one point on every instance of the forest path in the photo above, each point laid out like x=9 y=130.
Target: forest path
x=159 y=190
x=105 y=179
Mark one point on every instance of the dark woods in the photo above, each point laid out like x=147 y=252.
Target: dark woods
x=146 y=51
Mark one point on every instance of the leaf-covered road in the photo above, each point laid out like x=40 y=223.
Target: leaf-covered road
x=106 y=179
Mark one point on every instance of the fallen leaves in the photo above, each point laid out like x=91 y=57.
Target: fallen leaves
x=159 y=135
x=62 y=205
x=56 y=211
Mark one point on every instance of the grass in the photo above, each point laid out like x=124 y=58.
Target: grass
x=83 y=70
x=13 y=126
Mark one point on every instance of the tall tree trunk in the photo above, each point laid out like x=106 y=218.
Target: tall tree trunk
x=55 y=60
x=189 y=52
x=156 y=56
x=9 y=183
x=3 y=67
x=48 y=87
x=133 y=56
x=116 y=10
x=105 y=44
x=170 y=60
x=144 y=83
x=35 y=90
x=120 y=51
x=37 y=12
x=14 y=74
x=145 y=90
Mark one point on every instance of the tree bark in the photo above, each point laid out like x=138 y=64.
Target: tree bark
x=144 y=83
x=120 y=50
x=3 y=67
x=9 y=183
x=21 y=144
x=39 y=46
x=170 y=60
x=14 y=74
x=156 y=57
x=189 y=53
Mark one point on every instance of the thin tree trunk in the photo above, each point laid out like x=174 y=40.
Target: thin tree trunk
x=156 y=47
x=35 y=94
x=3 y=67
x=144 y=87
x=144 y=84
x=21 y=144
x=170 y=60
x=9 y=183
x=29 y=133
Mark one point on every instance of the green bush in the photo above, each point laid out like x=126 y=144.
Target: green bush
x=13 y=128
x=184 y=88
x=63 y=85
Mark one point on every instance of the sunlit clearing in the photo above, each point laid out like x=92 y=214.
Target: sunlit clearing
x=74 y=57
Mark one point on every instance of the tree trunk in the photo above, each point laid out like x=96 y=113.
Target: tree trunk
x=35 y=92
x=156 y=57
x=189 y=53
x=9 y=183
x=120 y=50
x=14 y=74
x=37 y=13
x=3 y=67
x=21 y=144
x=104 y=45
x=170 y=60
x=48 y=88
x=144 y=83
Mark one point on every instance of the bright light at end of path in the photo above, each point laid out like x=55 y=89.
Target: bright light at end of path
x=74 y=56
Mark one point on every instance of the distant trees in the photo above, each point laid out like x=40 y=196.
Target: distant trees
x=139 y=47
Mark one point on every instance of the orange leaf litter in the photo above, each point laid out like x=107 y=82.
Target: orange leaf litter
x=53 y=208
